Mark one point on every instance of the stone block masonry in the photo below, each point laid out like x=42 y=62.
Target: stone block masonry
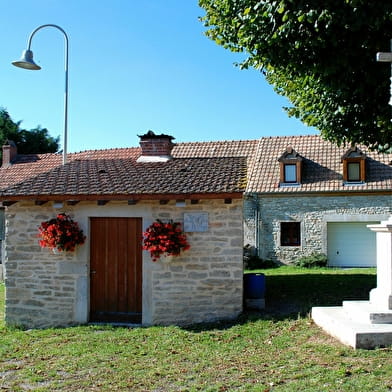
x=40 y=285
x=203 y=284
x=313 y=212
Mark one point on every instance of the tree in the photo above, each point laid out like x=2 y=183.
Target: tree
x=34 y=141
x=321 y=55
x=8 y=129
x=37 y=140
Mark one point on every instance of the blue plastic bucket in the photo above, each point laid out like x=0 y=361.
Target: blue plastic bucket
x=254 y=286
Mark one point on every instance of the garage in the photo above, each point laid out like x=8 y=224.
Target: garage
x=351 y=244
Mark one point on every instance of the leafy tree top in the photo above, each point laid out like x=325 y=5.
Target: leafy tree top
x=321 y=55
x=32 y=141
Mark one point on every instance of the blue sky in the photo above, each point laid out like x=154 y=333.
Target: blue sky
x=133 y=66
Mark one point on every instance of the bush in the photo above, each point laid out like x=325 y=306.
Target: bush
x=314 y=260
x=253 y=262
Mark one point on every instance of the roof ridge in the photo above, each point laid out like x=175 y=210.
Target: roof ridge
x=138 y=147
x=290 y=136
x=105 y=149
x=220 y=141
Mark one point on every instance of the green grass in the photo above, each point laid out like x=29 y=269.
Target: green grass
x=269 y=351
x=296 y=290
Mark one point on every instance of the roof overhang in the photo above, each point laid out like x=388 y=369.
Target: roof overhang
x=73 y=199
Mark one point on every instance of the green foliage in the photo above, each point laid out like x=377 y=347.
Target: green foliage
x=255 y=262
x=321 y=55
x=313 y=260
x=252 y=261
x=8 y=129
x=34 y=141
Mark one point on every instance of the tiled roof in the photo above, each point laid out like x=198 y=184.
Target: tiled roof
x=229 y=148
x=194 y=169
x=125 y=177
x=322 y=167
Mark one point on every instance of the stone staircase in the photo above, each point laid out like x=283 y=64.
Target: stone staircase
x=365 y=324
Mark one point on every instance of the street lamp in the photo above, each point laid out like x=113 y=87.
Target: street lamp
x=27 y=62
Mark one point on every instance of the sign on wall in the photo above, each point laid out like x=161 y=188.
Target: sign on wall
x=195 y=221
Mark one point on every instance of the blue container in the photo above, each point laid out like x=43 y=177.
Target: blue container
x=254 y=286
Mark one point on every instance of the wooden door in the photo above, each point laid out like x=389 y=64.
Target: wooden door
x=116 y=270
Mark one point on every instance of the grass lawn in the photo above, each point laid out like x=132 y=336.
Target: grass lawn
x=276 y=350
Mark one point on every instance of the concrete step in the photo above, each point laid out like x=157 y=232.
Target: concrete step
x=366 y=312
x=338 y=323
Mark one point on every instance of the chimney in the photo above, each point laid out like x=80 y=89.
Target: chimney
x=10 y=152
x=155 y=148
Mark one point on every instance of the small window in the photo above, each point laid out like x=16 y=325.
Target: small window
x=290 y=173
x=290 y=234
x=353 y=171
x=354 y=166
x=290 y=167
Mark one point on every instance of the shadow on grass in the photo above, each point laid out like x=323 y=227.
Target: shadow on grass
x=287 y=294
x=293 y=296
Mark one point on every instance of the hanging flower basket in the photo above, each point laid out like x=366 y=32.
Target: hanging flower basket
x=164 y=239
x=61 y=233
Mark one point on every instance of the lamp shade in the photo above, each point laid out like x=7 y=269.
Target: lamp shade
x=26 y=61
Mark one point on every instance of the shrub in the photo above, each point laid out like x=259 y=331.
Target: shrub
x=314 y=260
x=252 y=261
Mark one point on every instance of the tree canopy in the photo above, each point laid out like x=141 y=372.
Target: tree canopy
x=32 y=141
x=321 y=55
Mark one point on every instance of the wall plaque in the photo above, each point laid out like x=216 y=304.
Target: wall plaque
x=195 y=221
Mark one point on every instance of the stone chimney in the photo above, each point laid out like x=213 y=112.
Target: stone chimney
x=10 y=152
x=155 y=148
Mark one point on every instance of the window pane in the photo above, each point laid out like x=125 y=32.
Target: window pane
x=353 y=171
x=290 y=173
x=290 y=233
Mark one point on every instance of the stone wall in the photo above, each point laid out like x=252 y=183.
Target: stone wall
x=314 y=212
x=44 y=289
x=41 y=287
x=205 y=283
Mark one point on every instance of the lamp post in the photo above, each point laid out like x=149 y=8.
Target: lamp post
x=27 y=62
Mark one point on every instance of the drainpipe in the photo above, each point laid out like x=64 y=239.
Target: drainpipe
x=257 y=214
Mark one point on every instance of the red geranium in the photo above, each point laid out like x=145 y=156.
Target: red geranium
x=164 y=239
x=61 y=233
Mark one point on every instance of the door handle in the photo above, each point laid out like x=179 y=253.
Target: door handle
x=92 y=272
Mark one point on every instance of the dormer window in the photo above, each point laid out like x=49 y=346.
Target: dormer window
x=354 y=167
x=290 y=167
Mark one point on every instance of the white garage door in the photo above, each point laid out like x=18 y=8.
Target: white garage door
x=351 y=244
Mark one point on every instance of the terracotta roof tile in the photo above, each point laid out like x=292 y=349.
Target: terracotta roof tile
x=197 y=167
x=322 y=167
x=115 y=172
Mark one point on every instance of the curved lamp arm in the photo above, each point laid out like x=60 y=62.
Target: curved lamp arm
x=27 y=62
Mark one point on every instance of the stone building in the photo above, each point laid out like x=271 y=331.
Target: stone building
x=285 y=196
x=114 y=195
x=306 y=195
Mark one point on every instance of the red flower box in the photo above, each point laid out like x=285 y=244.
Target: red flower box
x=164 y=239
x=61 y=233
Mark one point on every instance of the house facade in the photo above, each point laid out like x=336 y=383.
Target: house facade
x=286 y=196
x=306 y=195
x=114 y=195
